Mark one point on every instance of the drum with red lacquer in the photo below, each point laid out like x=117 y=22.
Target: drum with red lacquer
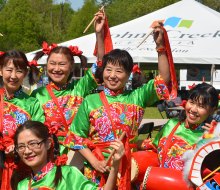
x=140 y=161
x=164 y=178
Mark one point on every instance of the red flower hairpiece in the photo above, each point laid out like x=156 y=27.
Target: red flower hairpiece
x=136 y=69
x=46 y=48
x=61 y=160
x=2 y=53
x=75 y=50
x=99 y=63
x=33 y=62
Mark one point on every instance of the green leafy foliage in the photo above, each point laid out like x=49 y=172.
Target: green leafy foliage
x=25 y=24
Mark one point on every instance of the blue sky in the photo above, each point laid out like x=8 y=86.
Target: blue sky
x=75 y=4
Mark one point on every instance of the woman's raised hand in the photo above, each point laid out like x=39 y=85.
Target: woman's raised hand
x=158 y=34
x=119 y=150
x=99 y=21
x=99 y=166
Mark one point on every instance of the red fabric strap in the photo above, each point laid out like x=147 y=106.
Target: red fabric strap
x=107 y=108
x=107 y=39
x=174 y=83
x=1 y=109
x=49 y=89
x=168 y=142
x=7 y=173
x=125 y=167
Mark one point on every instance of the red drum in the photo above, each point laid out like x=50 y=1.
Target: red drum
x=164 y=178
x=139 y=163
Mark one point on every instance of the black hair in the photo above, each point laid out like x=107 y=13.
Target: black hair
x=20 y=61
x=203 y=93
x=138 y=80
x=116 y=56
x=69 y=55
x=41 y=131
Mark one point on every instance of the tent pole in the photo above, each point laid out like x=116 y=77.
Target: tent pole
x=212 y=73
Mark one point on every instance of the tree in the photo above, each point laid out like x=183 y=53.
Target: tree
x=82 y=18
x=2 y=4
x=31 y=22
x=214 y=4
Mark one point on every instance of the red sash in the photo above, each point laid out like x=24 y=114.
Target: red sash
x=125 y=167
x=168 y=143
x=1 y=109
x=54 y=98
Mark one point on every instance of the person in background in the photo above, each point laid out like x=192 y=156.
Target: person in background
x=104 y=117
x=40 y=151
x=16 y=107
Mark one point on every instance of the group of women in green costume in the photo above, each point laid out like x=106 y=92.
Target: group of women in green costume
x=90 y=124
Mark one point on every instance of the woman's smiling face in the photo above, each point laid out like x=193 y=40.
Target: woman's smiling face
x=59 y=68
x=196 y=112
x=36 y=157
x=115 y=76
x=12 y=76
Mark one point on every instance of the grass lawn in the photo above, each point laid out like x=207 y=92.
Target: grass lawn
x=153 y=113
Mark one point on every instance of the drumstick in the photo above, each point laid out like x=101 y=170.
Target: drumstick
x=147 y=35
x=113 y=151
x=91 y=21
x=211 y=173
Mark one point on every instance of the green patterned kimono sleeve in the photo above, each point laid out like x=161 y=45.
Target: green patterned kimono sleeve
x=145 y=95
x=79 y=129
x=37 y=113
x=86 y=84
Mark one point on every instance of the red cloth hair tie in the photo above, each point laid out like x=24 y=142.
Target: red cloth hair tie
x=192 y=86
x=33 y=62
x=183 y=103
x=75 y=50
x=46 y=48
x=61 y=160
x=136 y=69
x=99 y=63
x=2 y=53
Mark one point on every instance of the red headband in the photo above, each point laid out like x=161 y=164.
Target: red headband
x=33 y=62
x=75 y=50
x=192 y=86
x=136 y=69
x=46 y=48
x=61 y=160
x=1 y=53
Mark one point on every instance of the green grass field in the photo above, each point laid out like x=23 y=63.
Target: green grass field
x=153 y=113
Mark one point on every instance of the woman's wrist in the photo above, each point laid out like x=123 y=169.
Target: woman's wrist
x=115 y=165
x=100 y=33
x=161 y=49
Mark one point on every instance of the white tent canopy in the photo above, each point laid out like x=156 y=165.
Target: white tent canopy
x=193 y=30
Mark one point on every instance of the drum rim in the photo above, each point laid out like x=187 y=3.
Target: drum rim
x=137 y=166
x=146 y=175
